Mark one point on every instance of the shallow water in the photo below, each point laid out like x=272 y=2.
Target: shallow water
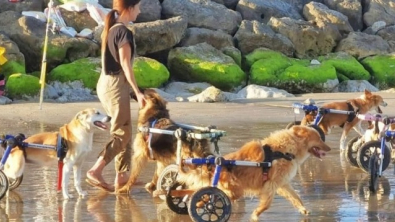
x=331 y=189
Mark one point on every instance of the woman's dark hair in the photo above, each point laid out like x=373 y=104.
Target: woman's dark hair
x=119 y=7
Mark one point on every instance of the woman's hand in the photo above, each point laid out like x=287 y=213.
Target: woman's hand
x=140 y=99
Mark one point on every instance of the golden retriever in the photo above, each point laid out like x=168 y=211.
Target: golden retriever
x=77 y=136
x=159 y=147
x=299 y=142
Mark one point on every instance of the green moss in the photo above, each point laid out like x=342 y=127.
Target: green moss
x=11 y=67
x=56 y=52
x=19 y=85
x=266 y=71
x=150 y=73
x=204 y=63
x=262 y=53
x=309 y=74
x=85 y=70
x=382 y=69
x=346 y=66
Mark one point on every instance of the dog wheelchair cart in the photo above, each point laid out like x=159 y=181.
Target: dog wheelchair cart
x=210 y=203
x=317 y=113
x=168 y=175
x=374 y=156
x=8 y=142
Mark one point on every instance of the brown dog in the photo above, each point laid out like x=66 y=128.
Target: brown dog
x=300 y=142
x=159 y=147
x=361 y=105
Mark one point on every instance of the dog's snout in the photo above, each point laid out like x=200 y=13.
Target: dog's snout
x=384 y=104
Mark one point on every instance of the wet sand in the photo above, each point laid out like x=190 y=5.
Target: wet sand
x=331 y=189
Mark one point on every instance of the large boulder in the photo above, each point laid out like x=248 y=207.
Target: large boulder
x=86 y=70
x=218 y=39
x=159 y=35
x=387 y=33
x=361 y=45
x=29 y=33
x=296 y=76
x=350 y=8
x=355 y=86
x=379 y=10
x=16 y=60
x=309 y=40
x=150 y=10
x=204 y=63
x=322 y=16
x=20 y=86
x=347 y=67
x=262 y=11
x=234 y=53
x=382 y=69
x=78 y=20
x=253 y=34
x=203 y=14
x=26 y=5
x=150 y=73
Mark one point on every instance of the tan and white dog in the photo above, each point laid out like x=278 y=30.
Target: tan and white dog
x=77 y=137
x=365 y=103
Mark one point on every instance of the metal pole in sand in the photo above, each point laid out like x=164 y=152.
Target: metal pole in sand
x=44 y=61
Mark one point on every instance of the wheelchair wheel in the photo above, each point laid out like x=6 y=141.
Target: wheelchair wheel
x=374 y=165
x=319 y=130
x=352 y=150
x=209 y=204
x=3 y=184
x=367 y=150
x=14 y=183
x=167 y=178
x=176 y=204
x=291 y=124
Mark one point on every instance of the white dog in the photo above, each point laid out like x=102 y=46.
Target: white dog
x=76 y=143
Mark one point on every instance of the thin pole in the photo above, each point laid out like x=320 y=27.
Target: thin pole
x=44 y=61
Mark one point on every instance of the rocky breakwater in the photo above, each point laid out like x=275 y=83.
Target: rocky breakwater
x=207 y=50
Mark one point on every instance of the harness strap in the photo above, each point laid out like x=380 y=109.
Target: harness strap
x=149 y=139
x=270 y=156
x=352 y=115
x=61 y=148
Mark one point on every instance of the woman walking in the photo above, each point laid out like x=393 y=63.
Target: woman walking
x=113 y=88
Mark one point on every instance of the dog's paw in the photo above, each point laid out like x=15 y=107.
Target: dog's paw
x=304 y=211
x=83 y=194
x=254 y=218
x=150 y=187
x=123 y=190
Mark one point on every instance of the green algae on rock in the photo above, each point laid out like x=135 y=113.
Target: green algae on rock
x=86 y=70
x=294 y=75
x=382 y=69
x=11 y=67
x=150 y=73
x=204 y=63
x=20 y=85
x=347 y=67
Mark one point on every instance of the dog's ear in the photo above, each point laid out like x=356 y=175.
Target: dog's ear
x=80 y=116
x=367 y=93
x=300 y=131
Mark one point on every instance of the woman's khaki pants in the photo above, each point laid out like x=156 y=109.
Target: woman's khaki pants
x=113 y=92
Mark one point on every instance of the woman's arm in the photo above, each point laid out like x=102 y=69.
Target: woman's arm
x=125 y=53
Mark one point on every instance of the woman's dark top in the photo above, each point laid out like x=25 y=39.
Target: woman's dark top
x=118 y=35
